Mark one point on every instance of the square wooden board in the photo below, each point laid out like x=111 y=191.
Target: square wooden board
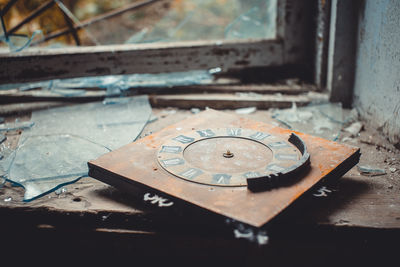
x=136 y=165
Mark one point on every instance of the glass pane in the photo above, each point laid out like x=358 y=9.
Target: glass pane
x=161 y=21
x=212 y=20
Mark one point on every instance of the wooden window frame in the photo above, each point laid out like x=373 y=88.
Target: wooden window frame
x=290 y=47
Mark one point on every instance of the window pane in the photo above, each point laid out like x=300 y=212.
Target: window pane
x=212 y=20
x=162 y=21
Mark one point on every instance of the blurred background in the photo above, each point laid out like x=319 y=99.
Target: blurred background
x=158 y=21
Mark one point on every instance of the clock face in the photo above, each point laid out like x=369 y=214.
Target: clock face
x=227 y=156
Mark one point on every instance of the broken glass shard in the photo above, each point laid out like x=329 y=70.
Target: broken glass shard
x=324 y=120
x=370 y=170
x=55 y=151
x=42 y=163
x=16 y=126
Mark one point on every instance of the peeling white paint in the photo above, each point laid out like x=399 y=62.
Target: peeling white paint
x=377 y=79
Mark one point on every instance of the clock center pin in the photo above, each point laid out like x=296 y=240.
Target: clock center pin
x=228 y=154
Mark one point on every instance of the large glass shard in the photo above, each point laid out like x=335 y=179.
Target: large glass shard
x=55 y=151
x=6 y=156
x=44 y=163
x=111 y=125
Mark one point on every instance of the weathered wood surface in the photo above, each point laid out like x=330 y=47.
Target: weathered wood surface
x=232 y=101
x=200 y=96
x=355 y=201
x=242 y=88
x=36 y=64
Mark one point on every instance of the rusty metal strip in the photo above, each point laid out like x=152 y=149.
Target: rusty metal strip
x=70 y=24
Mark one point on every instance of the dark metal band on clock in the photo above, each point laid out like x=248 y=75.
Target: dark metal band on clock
x=286 y=176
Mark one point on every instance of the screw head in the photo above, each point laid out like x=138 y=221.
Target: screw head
x=228 y=154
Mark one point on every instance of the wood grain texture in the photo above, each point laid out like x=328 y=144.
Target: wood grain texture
x=41 y=64
x=230 y=101
x=356 y=201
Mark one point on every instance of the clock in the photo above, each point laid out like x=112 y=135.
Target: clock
x=243 y=170
x=233 y=157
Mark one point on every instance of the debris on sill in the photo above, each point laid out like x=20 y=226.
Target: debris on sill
x=60 y=191
x=325 y=120
x=376 y=139
x=69 y=92
x=249 y=94
x=152 y=118
x=195 y=110
x=370 y=170
x=64 y=139
x=167 y=112
x=2 y=138
x=248 y=110
x=115 y=100
x=17 y=125
x=354 y=129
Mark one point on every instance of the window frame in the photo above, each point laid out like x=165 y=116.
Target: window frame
x=292 y=46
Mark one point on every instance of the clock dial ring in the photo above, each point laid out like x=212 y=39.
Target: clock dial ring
x=173 y=156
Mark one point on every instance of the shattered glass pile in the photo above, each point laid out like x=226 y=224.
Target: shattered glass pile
x=60 y=142
x=325 y=120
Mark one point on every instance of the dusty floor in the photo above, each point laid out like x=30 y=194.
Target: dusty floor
x=356 y=200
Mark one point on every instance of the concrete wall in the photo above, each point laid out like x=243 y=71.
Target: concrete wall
x=377 y=77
